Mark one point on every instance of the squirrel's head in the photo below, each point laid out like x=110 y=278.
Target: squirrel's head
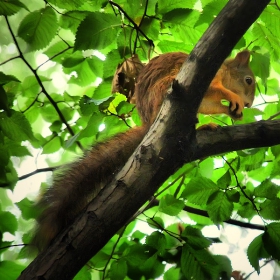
x=241 y=79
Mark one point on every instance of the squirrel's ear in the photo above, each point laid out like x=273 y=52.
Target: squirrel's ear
x=242 y=58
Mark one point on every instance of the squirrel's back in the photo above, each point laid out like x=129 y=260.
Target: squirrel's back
x=81 y=181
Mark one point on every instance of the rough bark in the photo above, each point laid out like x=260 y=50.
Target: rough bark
x=171 y=142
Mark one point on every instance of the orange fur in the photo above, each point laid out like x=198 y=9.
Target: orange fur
x=82 y=180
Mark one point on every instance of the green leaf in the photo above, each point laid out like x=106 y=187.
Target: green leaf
x=206 y=167
x=118 y=269
x=151 y=27
x=29 y=87
x=103 y=91
x=270 y=209
x=16 y=149
x=136 y=255
x=8 y=222
x=52 y=146
x=48 y=113
x=58 y=51
x=172 y=274
x=157 y=241
x=103 y=29
x=253 y=161
x=38 y=28
x=224 y=181
x=233 y=195
x=72 y=19
x=11 y=7
x=27 y=209
x=219 y=207
x=83 y=274
x=138 y=235
x=225 y=267
x=198 y=190
x=86 y=69
x=267 y=189
x=260 y=66
x=256 y=251
x=169 y=5
x=173 y=46
x=266 y=38
x=4 y=104
x=270 y=17
x=10 y=270
x=195 y=239
x=67 y=4
x=4 y=79
x=246 y=210
x=171 y=205
x=210 y=11
x=124 y=108
x=271 y=240
x=156 y=223
x=5 y=157
x=16 y=127
x=113 y=59
x=100 y=259
x=198 y=264
x=152 y=267
x=182 y=25
x=56 y=126
x=92 y=127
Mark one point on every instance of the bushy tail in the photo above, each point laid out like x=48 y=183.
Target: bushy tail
x=81 y=182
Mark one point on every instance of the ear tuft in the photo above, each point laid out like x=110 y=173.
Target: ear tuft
x=243 y=58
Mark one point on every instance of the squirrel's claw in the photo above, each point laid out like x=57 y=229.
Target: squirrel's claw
x=236 y=107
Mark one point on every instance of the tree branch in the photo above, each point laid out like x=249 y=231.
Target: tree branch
x=204 y=213
x=61 y=116
x=135 y=26
x=238 y=137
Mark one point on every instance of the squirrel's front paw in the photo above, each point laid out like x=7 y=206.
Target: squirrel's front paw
x=236 y=107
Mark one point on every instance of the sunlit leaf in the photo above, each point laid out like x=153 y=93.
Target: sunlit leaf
x=170 y=205
x=256 y=251
x=198 y=190
x=16 y=127
x=38 y=28
x=219 y=207
x=8 y=222
x=11 y=7
x=118 y=269
x=102 y=29
x=271 y=240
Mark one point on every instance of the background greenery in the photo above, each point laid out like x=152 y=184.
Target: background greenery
x=57 y=61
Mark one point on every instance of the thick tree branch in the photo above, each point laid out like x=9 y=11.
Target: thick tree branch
x=238 y=137
x=170 y=143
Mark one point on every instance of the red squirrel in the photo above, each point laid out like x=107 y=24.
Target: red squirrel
x=81 y=181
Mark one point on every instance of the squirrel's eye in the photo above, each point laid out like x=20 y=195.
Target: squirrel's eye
x=248 y=80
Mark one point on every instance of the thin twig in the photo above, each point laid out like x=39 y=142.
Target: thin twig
x=40 y=83
x=265 y=263
x=10 y=246
x=10 y=59
x=113 y=250
x=132 y=22
x=241 y=189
